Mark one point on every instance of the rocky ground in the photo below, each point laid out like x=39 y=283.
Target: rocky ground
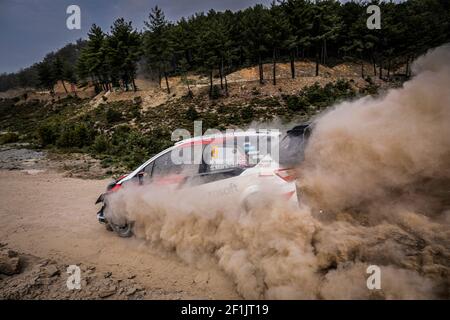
x=18 y=156
x=24 y=276
x=48 y=222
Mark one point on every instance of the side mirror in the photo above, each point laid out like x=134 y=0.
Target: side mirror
x=141 y=177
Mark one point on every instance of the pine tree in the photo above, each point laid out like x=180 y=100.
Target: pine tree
x=123 y=51
x=157 y=45
x=46 y=76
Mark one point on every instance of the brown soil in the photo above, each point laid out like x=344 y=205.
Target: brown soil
x=53 y=217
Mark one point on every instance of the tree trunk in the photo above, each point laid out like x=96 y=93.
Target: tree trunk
x=317 y=63
x=221 y=73
x=261 y=71
x=362 y=66
x=134 y=86
x=188 y=86
x=362 y=69
x=389 y=69
x=407 y=67
x=226 y=85
x=292 y=65
x=159 y=77
x=210 y=83
x=381 y=70
x=64 y=86
x=240 y=56
x=274 y=68
x=374 y=66
x=167 y=82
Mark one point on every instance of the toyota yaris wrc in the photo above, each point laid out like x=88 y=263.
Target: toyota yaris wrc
x=236 y=165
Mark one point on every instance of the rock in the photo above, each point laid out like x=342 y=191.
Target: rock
x=45 y=281
x=130 y=291
x=106 y=282
x=107 y=274
x=107 y=292
x=33 y=281
x=51 y=270
x=132 y=276
x=9 y=262
x=43 y=262
x=9 y=253
x=139 y=287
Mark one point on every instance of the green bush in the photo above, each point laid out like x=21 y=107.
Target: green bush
x=48 y=133
x=137 y=100
x=296 y=103
x=135 y=111
x=101 y=144
x=321 y=97
x=191 y=113
x=210 y=120
x=113 y=115
x=247 y=113
x=215 y=93
x=256 y=91
x=120 y=135
x=315 y=94
x=222 y=109
x=9 y=137
x=75 y=136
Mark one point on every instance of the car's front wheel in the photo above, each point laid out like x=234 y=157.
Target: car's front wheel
x=124 y=230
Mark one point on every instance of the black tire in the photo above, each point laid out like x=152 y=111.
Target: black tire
x=124 y=231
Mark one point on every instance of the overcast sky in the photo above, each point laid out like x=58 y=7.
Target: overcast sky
x=31 y=28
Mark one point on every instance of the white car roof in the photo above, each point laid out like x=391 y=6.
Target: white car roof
x=248 y=133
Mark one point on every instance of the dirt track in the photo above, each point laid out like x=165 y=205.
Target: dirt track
x=47 y=215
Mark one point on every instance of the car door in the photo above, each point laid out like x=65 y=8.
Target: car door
x=166 y=172
x=222 y=160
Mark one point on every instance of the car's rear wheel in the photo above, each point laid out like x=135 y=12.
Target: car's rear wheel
x=251 y=202
x=124 y=230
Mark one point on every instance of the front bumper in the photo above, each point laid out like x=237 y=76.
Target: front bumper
x=100 y=215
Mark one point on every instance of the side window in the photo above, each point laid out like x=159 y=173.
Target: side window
x=165 y=166
x=161 y=165
x=148 y=169
x=225 y=156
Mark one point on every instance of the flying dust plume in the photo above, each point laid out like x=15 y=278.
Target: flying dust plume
x=374 y=190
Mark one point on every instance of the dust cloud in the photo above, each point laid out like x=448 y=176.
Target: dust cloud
x=374 y=190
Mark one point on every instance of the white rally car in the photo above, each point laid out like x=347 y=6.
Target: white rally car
x=238 y=166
